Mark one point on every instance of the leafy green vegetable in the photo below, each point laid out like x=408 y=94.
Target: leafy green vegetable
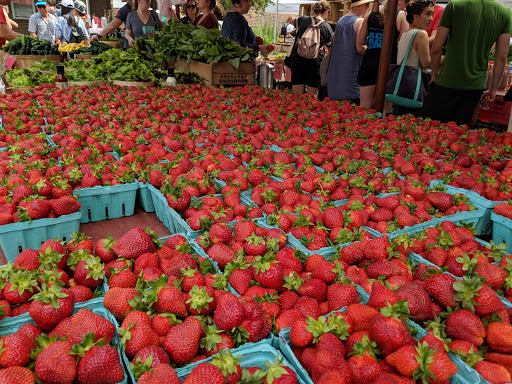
x=185 y=41
x=44 y=65
x=26 y=77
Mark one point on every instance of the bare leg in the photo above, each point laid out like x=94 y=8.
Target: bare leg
x=312 y=91
x=367 y=95
x=299 y=88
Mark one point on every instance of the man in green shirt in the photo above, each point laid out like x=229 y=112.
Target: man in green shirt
x=469 y=28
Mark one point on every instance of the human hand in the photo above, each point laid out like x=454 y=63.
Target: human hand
x=94 y=38
x=131 y=41
x=488 y=97
x=266 y=49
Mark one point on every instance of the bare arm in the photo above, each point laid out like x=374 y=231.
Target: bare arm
x=437 y=50
x=8 y=34
x=502 y=44
x=128 y=35
x=421 y=46
x=401 y=23
x=362 y=37
x=112 y=26
x=432 y=37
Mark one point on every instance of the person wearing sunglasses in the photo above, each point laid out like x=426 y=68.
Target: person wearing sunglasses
x=42 y=24
x=469 y=29
x=191 y=12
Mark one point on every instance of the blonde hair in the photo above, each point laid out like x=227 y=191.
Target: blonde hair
x=320 y=7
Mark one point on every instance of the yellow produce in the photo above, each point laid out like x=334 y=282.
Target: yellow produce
x=68 y=47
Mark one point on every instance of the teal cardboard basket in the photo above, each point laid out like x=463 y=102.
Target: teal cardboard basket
x=250 y=355
x=502 y=231
x=168 y=216
x=184 y=372
x=101 y=203
x=484 y=223
x=17 y=237
x=95 y=305
x=144 y=197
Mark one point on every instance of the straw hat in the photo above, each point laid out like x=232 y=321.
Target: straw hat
x=359 y=2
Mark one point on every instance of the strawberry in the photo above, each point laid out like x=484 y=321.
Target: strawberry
x=503 y=209
x=377 y=248
x=134 y=243
x=65 y=205
x=493 y=373
x=279 y=373
x=137 y=336
x=15 y=350
x=51 y=305
x=220 y=233
x=89 y=272
x=229 y=313
x=340 y=295
x=390 y=334
x=100 y=364
x=21 y=192
x=54 y=363
x=205 y=373
x=18 y=375
x=221 y=254
x=404 y=360
x=440 y=200
x=104 y=249
x=499 y=337
x=85 y=322
x=182 y=341
x=116 y=300
x=465 y=325
x=162 y=373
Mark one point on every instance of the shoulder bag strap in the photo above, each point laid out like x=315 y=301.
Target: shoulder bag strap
x=402 y=68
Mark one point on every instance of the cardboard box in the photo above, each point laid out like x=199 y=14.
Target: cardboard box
x=223 y=73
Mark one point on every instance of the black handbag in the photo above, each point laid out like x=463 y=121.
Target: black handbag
x=407 y=86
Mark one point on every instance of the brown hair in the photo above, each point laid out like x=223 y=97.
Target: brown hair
x=415 y=8
x=219 y=12
x=213 y=3
x=320 y=7
x=195 y=3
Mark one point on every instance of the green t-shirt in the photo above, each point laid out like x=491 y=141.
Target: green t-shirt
x=474 y=27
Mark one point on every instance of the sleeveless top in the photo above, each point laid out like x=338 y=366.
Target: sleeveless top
x=375 y=34
x=414 y=59
x=345 y=61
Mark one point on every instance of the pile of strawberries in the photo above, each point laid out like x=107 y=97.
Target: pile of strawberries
x=286 y=198
x=61 y=347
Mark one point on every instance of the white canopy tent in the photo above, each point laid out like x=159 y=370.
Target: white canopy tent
x=290 y=7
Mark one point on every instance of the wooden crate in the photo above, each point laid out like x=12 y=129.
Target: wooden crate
x=305 y=9
x=222 y=73
x=338 y=9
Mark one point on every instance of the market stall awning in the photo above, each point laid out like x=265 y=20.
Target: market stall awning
x=287 y=6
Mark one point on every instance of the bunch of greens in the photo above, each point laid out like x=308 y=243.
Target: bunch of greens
x=85 y=73
x=187 y=77
x=74 y=63
x=185 y=41
x=44 y=65
x=26 y=77
x=129 y=65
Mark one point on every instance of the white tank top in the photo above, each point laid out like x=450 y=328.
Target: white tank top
x=413 y=60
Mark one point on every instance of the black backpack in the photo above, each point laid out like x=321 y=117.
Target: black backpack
x=76 y=33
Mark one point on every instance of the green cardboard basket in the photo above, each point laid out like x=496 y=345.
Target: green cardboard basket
x=101 y=203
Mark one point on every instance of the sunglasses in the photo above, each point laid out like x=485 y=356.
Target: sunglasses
x=41 y=6
x=191 y=6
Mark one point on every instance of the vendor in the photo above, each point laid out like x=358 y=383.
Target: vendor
x=207 y=18
x=236 y=27
x=120 y=18
x=191 y=12
x=139 y=18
